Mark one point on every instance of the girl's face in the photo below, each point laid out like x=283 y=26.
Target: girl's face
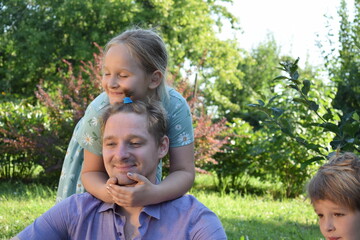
x=337 y=222
x=123 y=75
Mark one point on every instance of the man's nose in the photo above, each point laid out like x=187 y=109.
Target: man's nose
x=123 y=152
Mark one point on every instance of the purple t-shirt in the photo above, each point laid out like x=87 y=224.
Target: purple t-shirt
x=82 y=216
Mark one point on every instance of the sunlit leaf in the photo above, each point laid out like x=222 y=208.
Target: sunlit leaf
x=261 y=102
x=356 y=116
x=253 y=105
x=277 y=111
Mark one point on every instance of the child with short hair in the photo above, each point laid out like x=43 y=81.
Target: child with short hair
x=335 y=195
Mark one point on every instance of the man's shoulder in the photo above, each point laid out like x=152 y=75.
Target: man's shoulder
x=186 y=202
x=194 y=216
x=81 y=202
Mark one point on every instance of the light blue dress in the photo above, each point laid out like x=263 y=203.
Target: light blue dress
x=87 y=135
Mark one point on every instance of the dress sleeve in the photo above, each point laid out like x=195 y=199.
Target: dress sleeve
x=89 y=133
x=180 y=128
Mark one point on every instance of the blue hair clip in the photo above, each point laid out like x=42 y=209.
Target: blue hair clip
x=127 y=100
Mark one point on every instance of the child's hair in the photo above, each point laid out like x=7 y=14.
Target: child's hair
x=338 y=181
x=150 y=50
x=155 y=113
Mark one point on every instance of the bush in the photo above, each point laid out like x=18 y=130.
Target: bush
x=303 y=129
x=28 y=138
x=33 y=136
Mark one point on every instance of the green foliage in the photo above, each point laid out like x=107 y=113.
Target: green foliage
x=258 y=150
x=33 y=136
x=209 y=135
x=344 y=65
x=24 y=137
x=236 y=159
x=254 y=74
x=36 y=34
x=323 y=121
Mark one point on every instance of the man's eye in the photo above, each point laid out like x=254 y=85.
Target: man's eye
x=339 y=214
x=135 y=144
x=320 y=215
x=110 y=144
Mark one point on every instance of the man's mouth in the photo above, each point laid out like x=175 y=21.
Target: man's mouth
x=125 y=168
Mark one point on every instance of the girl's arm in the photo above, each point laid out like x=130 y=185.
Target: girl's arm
x=181 y=176
x=94 y=176
x=176 y=184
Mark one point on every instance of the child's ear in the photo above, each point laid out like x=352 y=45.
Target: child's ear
x=163 y=147
x=155 y=79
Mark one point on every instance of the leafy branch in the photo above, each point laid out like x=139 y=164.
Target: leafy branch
x=347 y=130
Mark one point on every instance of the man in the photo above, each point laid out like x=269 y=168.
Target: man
x=133 y=142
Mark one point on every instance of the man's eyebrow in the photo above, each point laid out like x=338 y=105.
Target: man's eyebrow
x=131 y=136
x=108 y=137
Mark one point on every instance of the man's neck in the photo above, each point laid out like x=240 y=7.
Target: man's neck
x=132 y=223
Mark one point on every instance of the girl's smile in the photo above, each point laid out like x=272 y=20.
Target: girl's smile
x=123 y=76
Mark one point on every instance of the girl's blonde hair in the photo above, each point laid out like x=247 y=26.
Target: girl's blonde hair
x=148 y=47
x=338 y=181
x=153 y=110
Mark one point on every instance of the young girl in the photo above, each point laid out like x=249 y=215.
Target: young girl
x=134 y=65
x=335 y=195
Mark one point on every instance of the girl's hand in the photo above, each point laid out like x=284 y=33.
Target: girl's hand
x=136 y=196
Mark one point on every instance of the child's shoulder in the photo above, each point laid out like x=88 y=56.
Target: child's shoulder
x=98 y=104
x=175 y=95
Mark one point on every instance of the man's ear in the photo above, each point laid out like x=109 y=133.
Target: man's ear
x=155 y=80
x=163 y=147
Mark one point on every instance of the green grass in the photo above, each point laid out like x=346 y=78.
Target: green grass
x=20 y=204
x=243 y=217
x=259 y=218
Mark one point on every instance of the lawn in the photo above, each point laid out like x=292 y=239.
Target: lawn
x=243 y=217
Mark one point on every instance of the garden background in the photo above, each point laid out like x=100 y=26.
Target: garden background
x=262 y=124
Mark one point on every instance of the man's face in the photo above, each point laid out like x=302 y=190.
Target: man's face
x=337 y=222
x=129 y=147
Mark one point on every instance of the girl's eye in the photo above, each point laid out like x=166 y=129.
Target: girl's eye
x=123 y=76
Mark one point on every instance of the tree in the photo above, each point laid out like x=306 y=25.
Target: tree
x=344 y=65
x=257 y=70
x=36 y=35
